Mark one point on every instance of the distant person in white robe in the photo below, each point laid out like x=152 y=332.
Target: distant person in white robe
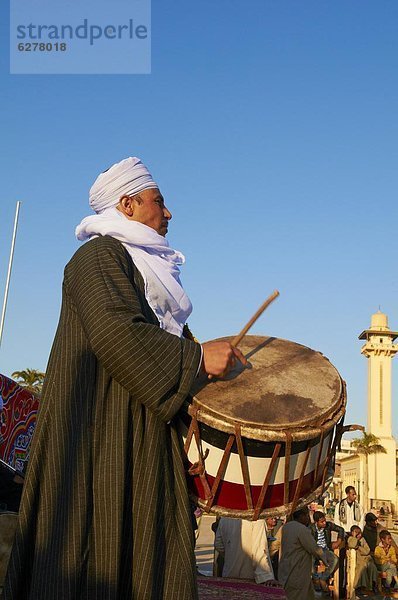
x=348 y=512
x=244 y=547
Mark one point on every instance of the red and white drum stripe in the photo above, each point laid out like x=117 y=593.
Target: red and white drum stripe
x=231 y=491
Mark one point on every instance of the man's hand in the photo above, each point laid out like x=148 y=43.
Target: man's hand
x=219 y=358
x=272 y=583
x=336 y=545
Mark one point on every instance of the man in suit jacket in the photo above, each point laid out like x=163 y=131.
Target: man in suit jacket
x=105 y=511
x=322 y=533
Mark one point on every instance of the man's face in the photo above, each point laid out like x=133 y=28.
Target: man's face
x=271 y=522
x=351 y=496
x=148 y=208
x=356 y=533
x=387 y=540
x=321 y=523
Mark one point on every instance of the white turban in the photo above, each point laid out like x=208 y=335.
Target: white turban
x=125 y=178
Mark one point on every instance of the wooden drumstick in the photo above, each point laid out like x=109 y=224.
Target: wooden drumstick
x=254 y=318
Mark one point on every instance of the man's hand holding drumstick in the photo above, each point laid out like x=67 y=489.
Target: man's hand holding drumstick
x=220 y=357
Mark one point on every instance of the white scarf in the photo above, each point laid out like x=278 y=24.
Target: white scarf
x=155 y=260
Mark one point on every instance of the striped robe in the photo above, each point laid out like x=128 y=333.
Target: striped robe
x=105 y=513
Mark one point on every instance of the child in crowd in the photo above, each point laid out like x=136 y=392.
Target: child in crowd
x=365 y=570
x=386 y=559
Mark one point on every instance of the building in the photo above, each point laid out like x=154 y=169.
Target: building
x=349 y=471
x=380 y=470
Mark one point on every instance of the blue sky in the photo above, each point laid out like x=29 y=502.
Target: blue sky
x=272 y=130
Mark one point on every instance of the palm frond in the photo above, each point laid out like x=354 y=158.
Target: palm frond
x=31 y=379
x=368 y=444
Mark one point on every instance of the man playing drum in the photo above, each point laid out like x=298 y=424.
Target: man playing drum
x=105 y=510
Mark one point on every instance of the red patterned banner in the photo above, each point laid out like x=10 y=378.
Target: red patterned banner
x=17 y=423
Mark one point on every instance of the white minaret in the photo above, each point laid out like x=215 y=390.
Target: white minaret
x=380 y=349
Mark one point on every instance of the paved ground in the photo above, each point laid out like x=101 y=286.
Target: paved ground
x=204 y=546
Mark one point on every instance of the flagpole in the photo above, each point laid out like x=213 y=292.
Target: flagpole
x=14 y=235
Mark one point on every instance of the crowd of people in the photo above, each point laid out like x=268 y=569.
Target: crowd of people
x=304 y=552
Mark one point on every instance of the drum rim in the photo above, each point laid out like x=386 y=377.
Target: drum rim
x=300 y=430
x=262 y=432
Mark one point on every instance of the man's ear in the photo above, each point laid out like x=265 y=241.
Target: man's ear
x=126 y=206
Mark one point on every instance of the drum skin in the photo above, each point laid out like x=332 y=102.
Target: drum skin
x=284 y=408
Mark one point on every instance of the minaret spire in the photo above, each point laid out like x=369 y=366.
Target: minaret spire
x=380 y=349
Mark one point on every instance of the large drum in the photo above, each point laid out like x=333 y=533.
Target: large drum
x=262 y=440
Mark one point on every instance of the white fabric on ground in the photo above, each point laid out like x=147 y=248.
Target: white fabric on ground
x=245 y=548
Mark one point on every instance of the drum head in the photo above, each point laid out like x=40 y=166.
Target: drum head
x=286 y=385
